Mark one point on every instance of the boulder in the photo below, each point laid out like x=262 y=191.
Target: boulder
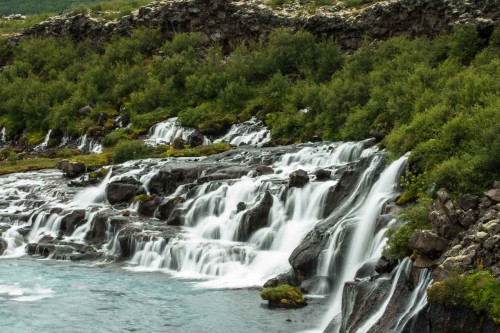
x=147 y=204
x=179 y=143
x=71 y=169
x=290 y=278
x=298 y=178
x=340 y=191
x=443 y=216
x=428 y=244
x=468 y=201
x=264 y=170
x=72 y=220
x=123 y=190
x=493 y=195
x=322 y=174
x=255 y=218
x=195 y=139
x=167 y=207
x=241 y=206
x=304 y=258
x=283 y=296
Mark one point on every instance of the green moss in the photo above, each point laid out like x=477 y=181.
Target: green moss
x=478 y=291
x=142 y=198
x=211 y=149
x=412 y=218
x=285 y=295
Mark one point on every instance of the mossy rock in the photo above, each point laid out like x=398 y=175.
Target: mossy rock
x=142 y=198
x=283 y=296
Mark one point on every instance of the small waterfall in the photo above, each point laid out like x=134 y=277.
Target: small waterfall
x=361 y=220
x=3 y=135
x=89 y=146
x=94 y=194
x=45 y=142
x=251 y=132
x=15 y=243
x=64 y=140
x=167 y=131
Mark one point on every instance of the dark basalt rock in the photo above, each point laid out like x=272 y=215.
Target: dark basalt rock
x=264 y=170
x=298 y=178
x=443 y=216
x=322 y=174
x=304 y=258
x=195 y=139
x=99 y=225
x=72 y=220
x=241 y=206
x=123 y=191
x=385 y=265
x=255 y=218
x=149 y=206
x=427 y=244
x=130 y=236
x=291 y=278
x=167 y=207
x=468 y=201
x=439 y=318
x=3 y=246
x=71 y=169
x=179 y=143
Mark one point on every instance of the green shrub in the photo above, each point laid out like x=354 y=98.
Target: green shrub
x=114 y=137
x=478 y=291
x=412 y=218
x=129 y=150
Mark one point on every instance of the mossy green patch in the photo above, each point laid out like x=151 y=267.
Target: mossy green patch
x=479 y=291
x=142 y=198
x=283 y=295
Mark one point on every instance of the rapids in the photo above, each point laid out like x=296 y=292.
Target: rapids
x=235 y=232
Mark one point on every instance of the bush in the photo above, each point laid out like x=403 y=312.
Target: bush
x=478 y=291
x=130 y=150
x=412 y=218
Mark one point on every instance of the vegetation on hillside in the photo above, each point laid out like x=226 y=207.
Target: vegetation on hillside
x=478 y=291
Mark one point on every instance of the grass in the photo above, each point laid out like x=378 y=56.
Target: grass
x=33 y=164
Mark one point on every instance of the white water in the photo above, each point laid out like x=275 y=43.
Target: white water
x=89 y=146
x=3 y=135
x=251 y=132
x=210 y=247
x=64 y=140
x=167 y=131
x=362 y=218
x=45 y=142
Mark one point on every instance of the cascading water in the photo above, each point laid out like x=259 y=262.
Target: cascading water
x=89 y=146
x=3 y=135
x=167 y=131
x=251 y=132
x=64 y=140
x=236 y=231
x=45 y=142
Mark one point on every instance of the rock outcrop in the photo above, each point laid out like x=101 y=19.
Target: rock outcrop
x=227 y=21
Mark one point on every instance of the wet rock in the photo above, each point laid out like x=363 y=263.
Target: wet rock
x=167 y=180
x=255 y=218
x=323 y=284
x=337 y=193
x=428 y=244
x=131 y=236
x=436 y=317
x=224 y=173
x=264 y=170
x=147 y=204
x=283 y=296
x=322 y=174
x=305 y=257
x=71 y=169
x=468 y=201
x=123 y=191
x=195 y=139
x=72 y=220
x=385 y=265
x=3 y=246
x=99 y=226
x=167 y=207
x=291 y=278
x=298 y=178
x=176 y=218
x=241 y=206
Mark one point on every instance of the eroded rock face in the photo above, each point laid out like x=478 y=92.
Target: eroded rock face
x=255 y=218
x=427 y=244
x=443 y=216
x=226 y=21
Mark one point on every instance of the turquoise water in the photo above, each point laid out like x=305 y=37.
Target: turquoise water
x=59 y=296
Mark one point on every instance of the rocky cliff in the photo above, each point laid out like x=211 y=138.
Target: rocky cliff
x=227 y=21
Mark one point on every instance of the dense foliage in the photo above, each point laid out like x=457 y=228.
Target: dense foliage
x=478 y=291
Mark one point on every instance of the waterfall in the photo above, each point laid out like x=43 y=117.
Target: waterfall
x=45 y=142
x=89 y=146
x=64 y=140
x=251 y=132
x=361 y=218
x=3 y=135
x=167 y=131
